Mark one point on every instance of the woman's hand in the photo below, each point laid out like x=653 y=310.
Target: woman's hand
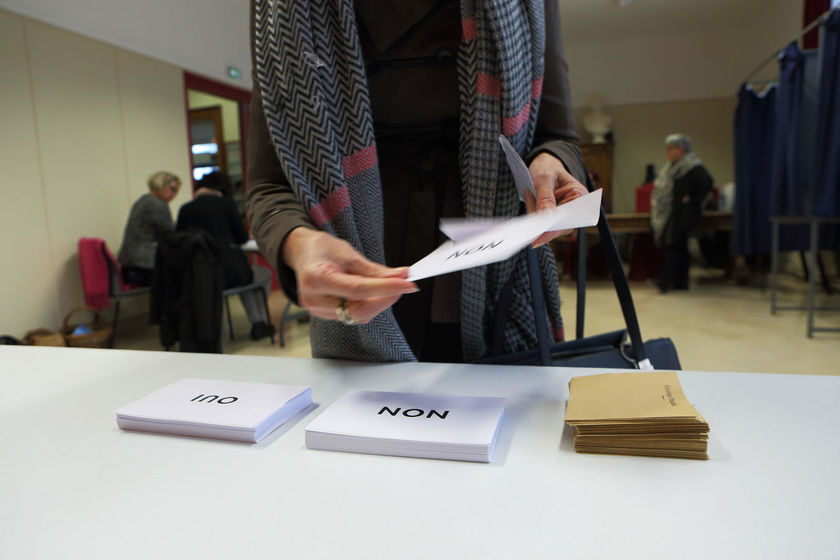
x=554 y=186
x=330 y=270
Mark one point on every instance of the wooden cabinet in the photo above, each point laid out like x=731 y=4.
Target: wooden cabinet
x=598 y=158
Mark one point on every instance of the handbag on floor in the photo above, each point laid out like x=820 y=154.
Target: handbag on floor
x=607 y=350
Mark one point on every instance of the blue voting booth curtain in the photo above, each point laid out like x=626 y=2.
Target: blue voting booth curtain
x=787 y=190
x=754 y=139
x=825 y=199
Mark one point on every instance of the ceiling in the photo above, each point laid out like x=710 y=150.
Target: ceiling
x=606 y=19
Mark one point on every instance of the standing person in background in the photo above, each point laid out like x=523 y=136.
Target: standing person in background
x=372 y=120
x=149 y=218
x=214 y=211
x=678 y=192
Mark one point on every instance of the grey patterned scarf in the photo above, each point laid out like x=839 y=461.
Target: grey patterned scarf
x=311 y=75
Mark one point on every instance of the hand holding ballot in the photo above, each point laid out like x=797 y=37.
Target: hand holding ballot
x=331 y=274
x=554 y=186
x=336 y=282
x=542 y=186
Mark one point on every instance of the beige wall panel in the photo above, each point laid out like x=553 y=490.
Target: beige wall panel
x=82 y=146
x=640 y=131
x=154 y=122
x=28 y=297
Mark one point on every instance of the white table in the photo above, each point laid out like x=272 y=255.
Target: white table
x=72 y=485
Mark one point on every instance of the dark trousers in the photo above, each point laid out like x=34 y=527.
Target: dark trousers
x=137 y=276
x=677 y=262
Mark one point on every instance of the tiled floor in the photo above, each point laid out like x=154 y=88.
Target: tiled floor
x=716 y=326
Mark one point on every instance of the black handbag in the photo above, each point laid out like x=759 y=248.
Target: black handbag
x=607 y=350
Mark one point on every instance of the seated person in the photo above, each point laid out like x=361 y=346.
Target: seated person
x=149 y=217
x=213 y=211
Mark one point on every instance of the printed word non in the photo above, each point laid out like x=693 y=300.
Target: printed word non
x=413 y=412
x=476 y=249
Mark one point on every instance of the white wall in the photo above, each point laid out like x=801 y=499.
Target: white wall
x=640 y=131
x=678 y=64
x=637 y=63
x=84 y=125
x=203 y=36
x=674 y=80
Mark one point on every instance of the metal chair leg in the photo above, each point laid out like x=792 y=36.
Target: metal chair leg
x=283 y=323
x=229 y=322
x=267 y=312
x=114 y=325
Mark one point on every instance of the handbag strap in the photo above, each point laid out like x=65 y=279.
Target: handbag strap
x=622 y=288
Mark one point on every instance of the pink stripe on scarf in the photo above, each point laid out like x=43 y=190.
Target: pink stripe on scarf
x=361 y=161
x=536 y=88
x=330 y=207
x=469 y=31
x=488 y=85
x=512 y=125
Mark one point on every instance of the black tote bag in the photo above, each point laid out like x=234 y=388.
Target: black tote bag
x=607 y=350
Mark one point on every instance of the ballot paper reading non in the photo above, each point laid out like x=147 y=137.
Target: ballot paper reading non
x=635 y=414
x=410 y=425
x=231 y=410
x=484 y=241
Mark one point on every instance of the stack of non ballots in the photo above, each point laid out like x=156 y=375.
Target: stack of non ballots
x=410 y=425
x=642 y=413
x=231 y=410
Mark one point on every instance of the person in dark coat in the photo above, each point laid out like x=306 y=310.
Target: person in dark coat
x=415 y=56
x=212 y=210
x=678 y=193
x=186 y=291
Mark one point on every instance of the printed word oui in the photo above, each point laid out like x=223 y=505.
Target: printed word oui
x=215 y=398
x=476 y=249
x=413 y=412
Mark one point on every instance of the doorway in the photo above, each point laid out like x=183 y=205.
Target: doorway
x=217 y=125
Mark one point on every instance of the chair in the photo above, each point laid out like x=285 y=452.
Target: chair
x=253 y=286
x=102 y=278
x=118 y=289
x=288 y=316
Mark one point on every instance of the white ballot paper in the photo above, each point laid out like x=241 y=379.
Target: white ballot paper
x=410 y=425
x=496 y=241
x=479 y=242
x=230 y=410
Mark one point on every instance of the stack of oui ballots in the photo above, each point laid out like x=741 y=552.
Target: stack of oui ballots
x=228 y=410
x=410 y=425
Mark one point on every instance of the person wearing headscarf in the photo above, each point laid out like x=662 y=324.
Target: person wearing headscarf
x=678 y=192
x=370 y=121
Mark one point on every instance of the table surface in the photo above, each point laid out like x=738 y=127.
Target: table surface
x=72 y=485
x=639 y=222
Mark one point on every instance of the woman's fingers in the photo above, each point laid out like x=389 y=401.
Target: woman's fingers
x=330 y=279
x=330 y=270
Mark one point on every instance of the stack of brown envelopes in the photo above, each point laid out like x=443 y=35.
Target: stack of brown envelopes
x=644 y=413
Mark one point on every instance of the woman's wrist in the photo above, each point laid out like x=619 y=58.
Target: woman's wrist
x=292 y=246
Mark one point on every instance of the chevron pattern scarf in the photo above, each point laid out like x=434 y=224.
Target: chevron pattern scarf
x=310 y=70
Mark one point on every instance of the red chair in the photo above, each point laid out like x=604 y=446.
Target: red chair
x=646 y=259
x=102 y=278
